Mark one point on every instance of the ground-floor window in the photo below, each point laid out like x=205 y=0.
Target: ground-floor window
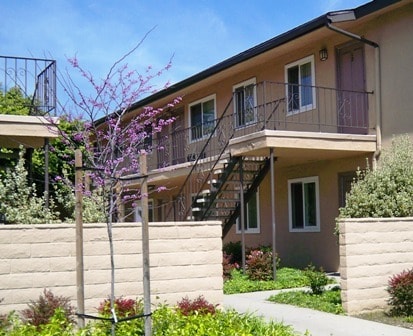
x=303 y=204
x=252 y=216
x=138 y=212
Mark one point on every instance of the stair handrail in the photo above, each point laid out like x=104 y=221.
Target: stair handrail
x=200 y=155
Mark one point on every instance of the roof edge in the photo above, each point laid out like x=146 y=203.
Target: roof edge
x=274 y=42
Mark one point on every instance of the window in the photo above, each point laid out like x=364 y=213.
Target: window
x=252 y=218
x=303 y=204
x=138 y=212
x=202 y=118
x=244 y=103
x=300 y=88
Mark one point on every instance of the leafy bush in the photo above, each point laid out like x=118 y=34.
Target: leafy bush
x=234 y=251
x=400 y=288
x=317 y=279
x=228 y=266
x=199 y=305
x=93 y=203
x=58 y=325
x=386 y=191
x=167 y=321
x=41 y=311
x=123 y=307
x=259 y=265
x=18 y=199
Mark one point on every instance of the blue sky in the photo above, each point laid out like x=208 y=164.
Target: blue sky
x=197 y=33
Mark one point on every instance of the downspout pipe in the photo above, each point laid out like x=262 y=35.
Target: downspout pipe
x=377 y=81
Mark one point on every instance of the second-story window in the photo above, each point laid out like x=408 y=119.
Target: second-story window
x=244 y=103
x=300 y=85
x=202 y=117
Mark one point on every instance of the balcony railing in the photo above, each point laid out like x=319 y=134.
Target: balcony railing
x=33 y=79
x=277 y=106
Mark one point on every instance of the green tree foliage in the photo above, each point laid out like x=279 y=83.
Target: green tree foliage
x=61 y=151
x=93 y=210
x=14 y=102
x=18 y=199
x=386 y=191
x=21 y=205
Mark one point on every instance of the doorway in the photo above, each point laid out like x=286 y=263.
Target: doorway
x=351 y=97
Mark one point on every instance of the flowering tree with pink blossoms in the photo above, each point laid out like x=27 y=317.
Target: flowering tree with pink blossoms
x=114 y=134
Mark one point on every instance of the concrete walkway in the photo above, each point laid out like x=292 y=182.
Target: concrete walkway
x=315 y=322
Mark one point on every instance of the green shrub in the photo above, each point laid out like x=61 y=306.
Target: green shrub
x=18 y=199
x=167 y=321
x=317 y=279
x=386 y=191
x=57 y=325
x=400 y=288
x=41 y=311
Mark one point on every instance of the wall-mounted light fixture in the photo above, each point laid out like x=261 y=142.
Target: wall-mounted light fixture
x=323 y=54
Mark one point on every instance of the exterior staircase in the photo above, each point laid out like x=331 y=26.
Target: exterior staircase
x=222 y=200
x=212 y=189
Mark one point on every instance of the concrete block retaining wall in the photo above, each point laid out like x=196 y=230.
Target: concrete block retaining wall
x=185 y=258
x=371 y=251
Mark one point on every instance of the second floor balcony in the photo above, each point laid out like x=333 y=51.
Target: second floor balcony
x=30 y=83
x=266 y=106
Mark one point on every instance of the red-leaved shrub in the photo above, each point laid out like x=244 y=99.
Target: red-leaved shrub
x=199 y=305
x=123 y=307
x=259 y=265
x=228 y=265
x=400 y=288
x=39 y=312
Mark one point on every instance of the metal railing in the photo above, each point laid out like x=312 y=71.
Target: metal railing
x=274 y=106
x=31 y=78
x=278 y=106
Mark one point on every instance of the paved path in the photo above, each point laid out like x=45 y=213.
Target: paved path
x=303 y=319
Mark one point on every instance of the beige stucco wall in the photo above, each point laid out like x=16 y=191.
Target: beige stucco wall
x=299 y=249
x=371 y=251
x=186 y=260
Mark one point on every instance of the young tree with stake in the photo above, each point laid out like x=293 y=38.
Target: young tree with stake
x=113 y=134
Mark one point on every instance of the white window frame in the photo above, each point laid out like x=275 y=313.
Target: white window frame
x=251 y=81
x=305 y=228
x=138 y=212
x=249 y=230
x=200 y=101
x=302 y=108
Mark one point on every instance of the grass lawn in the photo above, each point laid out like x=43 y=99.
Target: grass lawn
x=286 y=278
x=328 y=301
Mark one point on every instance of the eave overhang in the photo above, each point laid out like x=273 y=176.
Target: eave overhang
x=275 y=42
x=28 y=131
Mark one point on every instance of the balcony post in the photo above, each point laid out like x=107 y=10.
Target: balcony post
x=274 y=250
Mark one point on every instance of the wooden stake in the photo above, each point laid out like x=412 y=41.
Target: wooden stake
x=79 y=237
